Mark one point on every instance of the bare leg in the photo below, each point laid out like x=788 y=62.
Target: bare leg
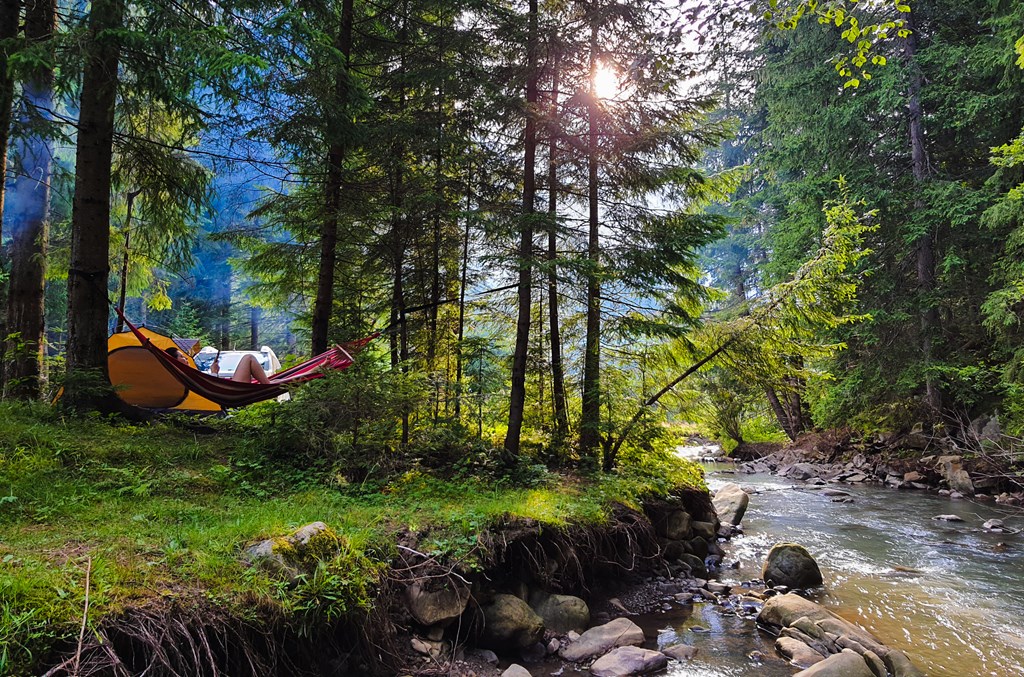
x=248 y=369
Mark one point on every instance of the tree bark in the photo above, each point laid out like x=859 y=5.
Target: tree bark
x=30 y=222
x=324 y=304
x=557 y=368
x=517 y=399
x=123 y=282
x=10 y=12
x=930 y=324
x=780 y=413
x=90 y=214
x=462 y=299
x=254 y=327
x=590 y=415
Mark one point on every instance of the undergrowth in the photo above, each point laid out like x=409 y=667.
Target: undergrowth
x=161 y=512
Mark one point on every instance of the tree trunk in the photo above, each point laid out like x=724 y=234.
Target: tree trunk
x=590 y=415
x=30 y=222
x=90 y=213
x=929 y=321
x=254 y=327
x=517 y=400
x=324 y=304
x=10 y=11
x=557 y=368
x=123 y=282
x=780 y=413
x=462 y=298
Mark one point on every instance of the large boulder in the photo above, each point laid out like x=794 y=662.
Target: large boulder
x=791 y=565
x=798 y=653
x=436 y=601
x=561 y=613
x=601 y=639
x=792 y=610
x=845 y=664
x=802 y=471
x=628 y=660
x=516 y=670
x=730 y=503
x=898 y=665
x=510 y=624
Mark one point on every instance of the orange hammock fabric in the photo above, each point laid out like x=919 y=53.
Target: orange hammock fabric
x=228 y=393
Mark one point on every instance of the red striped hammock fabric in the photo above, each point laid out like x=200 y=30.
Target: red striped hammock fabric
x=228 y=393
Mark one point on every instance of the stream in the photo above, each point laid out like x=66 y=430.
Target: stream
x=946 y=593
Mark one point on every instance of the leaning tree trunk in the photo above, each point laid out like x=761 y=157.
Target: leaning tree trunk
x=90 y=212
x=929 y=321
x=590 y=414
x=324 y=302
x=30 y=222
x=517 y=399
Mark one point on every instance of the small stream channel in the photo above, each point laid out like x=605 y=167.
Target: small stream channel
x=946 y=593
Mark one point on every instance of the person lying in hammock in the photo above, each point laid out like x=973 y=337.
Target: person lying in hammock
x=248 y=368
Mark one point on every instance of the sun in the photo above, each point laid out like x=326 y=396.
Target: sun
x=606 y=81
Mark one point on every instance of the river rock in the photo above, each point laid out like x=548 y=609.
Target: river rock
x=791 y=565
x=510 y=624
x=436 y=601
x=516 y=670
x=599 y=640
x=675 y=525
x=730 y=503
x=798 y=653
x=628 y=660
x=783 y=611
x=681 y=652
x=913 y=476
x=845 y=664
x=993 y=525
x=706 y=530
x=949 y=518
x=802 y=471
x=960 y=481
x=898 y=665
x=561 y=613
x=694 y=564
x=875 y=664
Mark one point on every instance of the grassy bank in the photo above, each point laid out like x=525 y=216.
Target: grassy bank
x=162 y=511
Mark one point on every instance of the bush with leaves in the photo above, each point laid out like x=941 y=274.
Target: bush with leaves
x=345 y=425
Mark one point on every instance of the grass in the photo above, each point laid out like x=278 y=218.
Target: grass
x=159 y=512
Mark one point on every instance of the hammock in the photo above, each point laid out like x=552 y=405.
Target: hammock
x=228 y=393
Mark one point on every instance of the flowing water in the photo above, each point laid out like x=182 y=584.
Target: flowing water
x=949 y=594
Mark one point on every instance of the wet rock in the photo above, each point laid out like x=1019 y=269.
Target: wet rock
x=845 y=664
x=993 y=525
x=718 y=588
x=782 y=611
x=949 y=518
x=510 y=624
x=857 y=478
x=698 y=547
x=628 y=660
x=874 y=663
x=913 y=476
x=516 y=670
x=835 y=492
x=730 y=503
x=791 y=565
x=898 y=665
x=561 y=613
x=821 y=646
x=681 y=652
x=436 y=601
x=694 y=564
x=797 y=653
x=596 y=641
x=801 y=471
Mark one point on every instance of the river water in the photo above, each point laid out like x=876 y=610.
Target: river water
x=949 y=594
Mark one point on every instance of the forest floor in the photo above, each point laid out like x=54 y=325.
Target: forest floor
x=99 y=517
